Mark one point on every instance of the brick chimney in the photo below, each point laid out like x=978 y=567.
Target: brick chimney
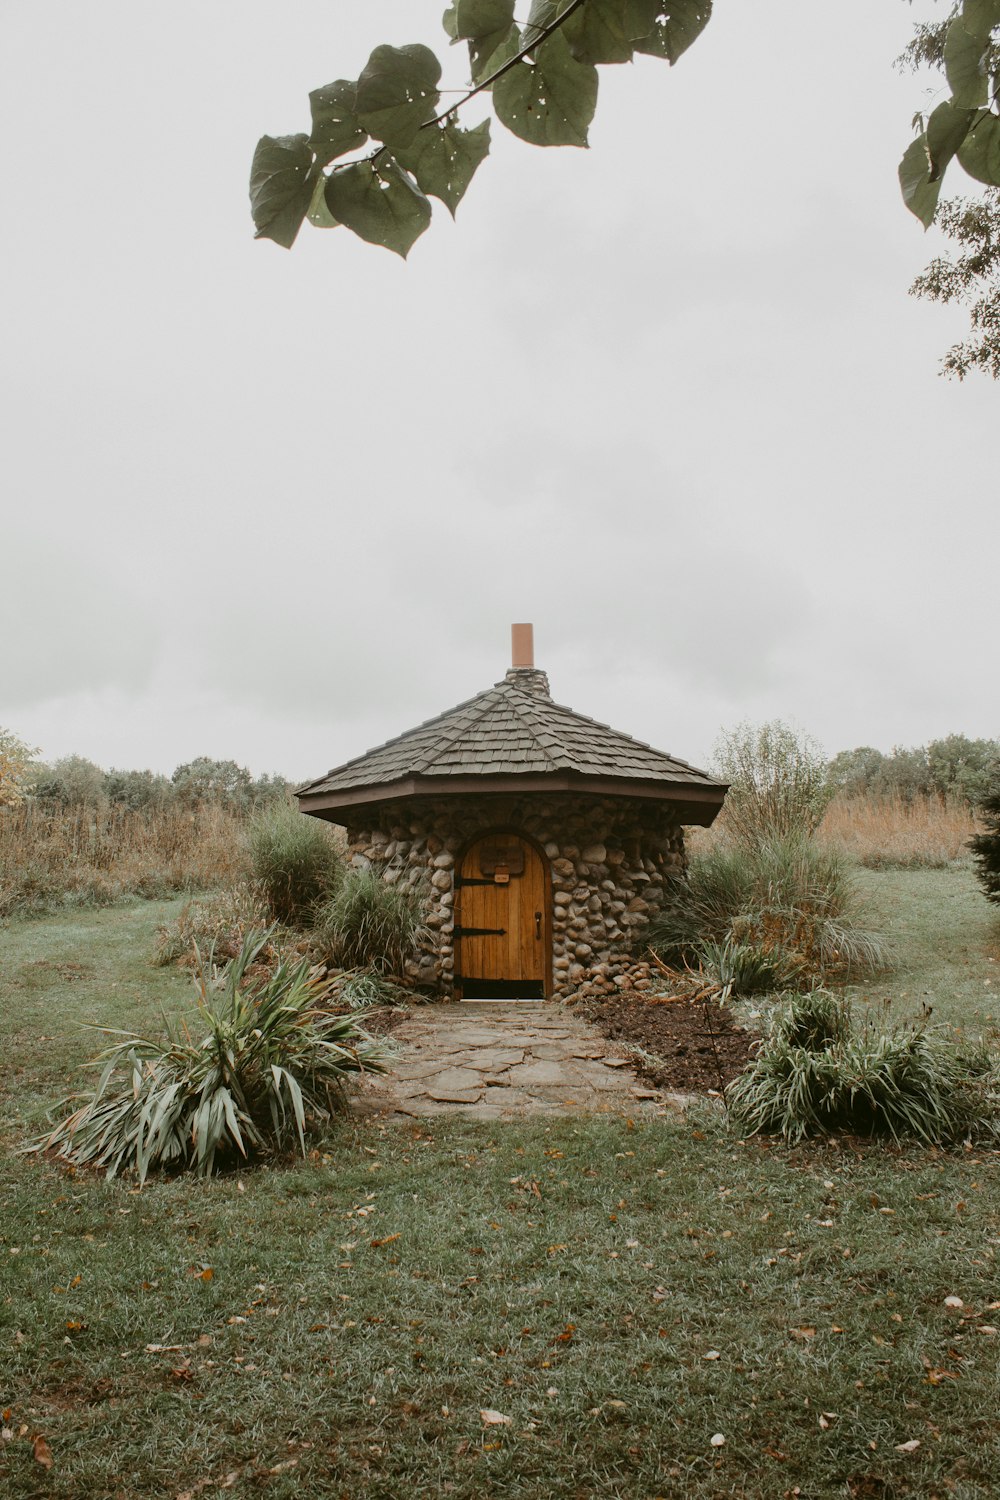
x=523 y=672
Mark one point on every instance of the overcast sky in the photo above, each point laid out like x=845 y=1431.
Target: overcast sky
x=667 y=398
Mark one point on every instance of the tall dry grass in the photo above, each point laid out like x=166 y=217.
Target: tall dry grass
x=890 y=833
x=80 y=857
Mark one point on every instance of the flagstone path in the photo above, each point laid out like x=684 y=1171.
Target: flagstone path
x=501 y=1061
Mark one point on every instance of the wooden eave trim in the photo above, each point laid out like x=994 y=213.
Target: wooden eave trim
x=702 y=802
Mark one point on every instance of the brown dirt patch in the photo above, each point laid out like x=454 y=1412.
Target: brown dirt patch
x=693 y=1043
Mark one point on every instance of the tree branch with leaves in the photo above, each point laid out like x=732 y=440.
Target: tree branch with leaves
x=965 y=127
x=543 y=82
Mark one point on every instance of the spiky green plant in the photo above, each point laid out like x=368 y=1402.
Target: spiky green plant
x=370 y=924
x=744 y=969
x=270 y=1066
x=820 y=1072
x=362 y=989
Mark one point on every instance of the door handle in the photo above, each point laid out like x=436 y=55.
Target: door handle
x=538 y=924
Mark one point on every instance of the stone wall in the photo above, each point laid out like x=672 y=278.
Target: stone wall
x=609 y=859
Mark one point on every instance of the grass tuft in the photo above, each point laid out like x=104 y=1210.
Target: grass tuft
x=820 y=1072
x=369 y=924
x=295 y=861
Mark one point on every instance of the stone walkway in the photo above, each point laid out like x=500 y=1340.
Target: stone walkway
x=500 y=1061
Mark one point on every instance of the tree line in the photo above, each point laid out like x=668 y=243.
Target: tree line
x=72 y=781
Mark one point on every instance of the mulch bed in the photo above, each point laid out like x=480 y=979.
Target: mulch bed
x=697 y=1045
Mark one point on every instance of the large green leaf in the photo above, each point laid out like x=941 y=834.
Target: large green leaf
x=489 y=28
x=666 y=28
x=475 y=18
x=319 y=213
x=541 y=14
x=980 y=15
x=551 y=101
x=280 y=187
x=380 y=202
x=979 y=154
x=444 y=159
x=598 y=33
x=965 y=65
x=397 y=92
x=335 y=124
x=920 y=192
x=946 y=130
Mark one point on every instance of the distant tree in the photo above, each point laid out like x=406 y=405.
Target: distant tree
x=855 y=772
x=986 y=845
x=221 y=782
x=904 y=773
x=137 y=789
x=17 y=768
x=266 y=790
x=778 y=784
x=960 y=767
x=73 y=781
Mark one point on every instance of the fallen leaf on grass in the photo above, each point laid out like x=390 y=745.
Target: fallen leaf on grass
x=718 y=1440
x=388 y=1240
x=953 y=1302
x=712 y=1354
x=910 y=1447
x=566 y=1337
x=42 y=1453
x=492 y=1418
x=802 y=1333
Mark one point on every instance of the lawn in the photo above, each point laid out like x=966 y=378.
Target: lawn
x=621 y=1291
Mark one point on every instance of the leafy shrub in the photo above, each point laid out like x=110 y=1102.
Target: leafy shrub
x=785 y=897
x=295 y=860
x=778 y=786
x=818 y=1072
x=986 y=845
x=369 y=924
x=17 y=768
x=744 y=969
x=270 y=1066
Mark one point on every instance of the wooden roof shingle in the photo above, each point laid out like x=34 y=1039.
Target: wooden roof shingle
x=512 y=730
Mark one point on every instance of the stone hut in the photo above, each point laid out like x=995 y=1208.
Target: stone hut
x=541 y=840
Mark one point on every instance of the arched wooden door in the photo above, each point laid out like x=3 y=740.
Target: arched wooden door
x=501 y=922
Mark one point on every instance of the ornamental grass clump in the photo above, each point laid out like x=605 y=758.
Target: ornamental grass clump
x=370 y=924
x=821 y=1072
x=783 y=897
x=744 y=969
x=271 y=1066
x=295 y=861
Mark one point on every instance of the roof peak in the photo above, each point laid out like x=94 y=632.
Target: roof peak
x=530 y=680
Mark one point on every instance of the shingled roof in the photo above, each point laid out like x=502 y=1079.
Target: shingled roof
x=513 y=737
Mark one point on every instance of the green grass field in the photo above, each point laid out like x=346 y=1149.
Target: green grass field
x=621 y=1291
